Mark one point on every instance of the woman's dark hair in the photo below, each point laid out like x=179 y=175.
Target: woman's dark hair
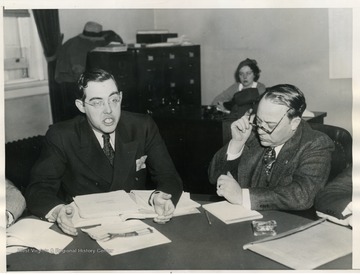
x=253 y=66
x=96 y=75
x=288 y=95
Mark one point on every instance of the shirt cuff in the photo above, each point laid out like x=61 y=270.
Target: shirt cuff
x=347 y=210
x=231 y=156
x=10 y=219
x=50 y=216
x=151 y=197
x=246 y=198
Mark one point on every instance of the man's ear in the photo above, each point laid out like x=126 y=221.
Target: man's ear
x=295 y=123
x=80 y=105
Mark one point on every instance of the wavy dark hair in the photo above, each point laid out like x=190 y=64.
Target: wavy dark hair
x=96 y=75
x=288 y=95
x=253 y=66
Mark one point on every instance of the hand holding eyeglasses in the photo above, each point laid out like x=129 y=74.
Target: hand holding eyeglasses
x=240 y=131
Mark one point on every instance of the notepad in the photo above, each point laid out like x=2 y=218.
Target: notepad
x=231 y=213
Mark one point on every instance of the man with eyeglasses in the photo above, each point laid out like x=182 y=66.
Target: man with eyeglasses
x=107 y=149
x=274 y=160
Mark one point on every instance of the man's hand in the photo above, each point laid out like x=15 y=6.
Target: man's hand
x=240 y=132
x=229 y=188
x=63 y=216
x=163 y=207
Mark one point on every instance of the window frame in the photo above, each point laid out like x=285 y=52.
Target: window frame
x=37 y=59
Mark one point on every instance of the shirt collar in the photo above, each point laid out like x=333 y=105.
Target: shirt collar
x=278 y=148
x=254 y=85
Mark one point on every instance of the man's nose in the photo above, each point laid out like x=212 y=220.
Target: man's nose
x=107 y=107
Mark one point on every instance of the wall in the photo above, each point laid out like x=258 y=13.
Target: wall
x=27 y=116
x=124 y=22
x=290 y=45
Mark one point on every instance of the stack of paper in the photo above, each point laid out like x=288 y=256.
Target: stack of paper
x=112 y=47
x=306 y=247
x=231 y=213
x=105 y=204
x=122 y=244
x=185 y=205
x=35 y=234
x=119 y=206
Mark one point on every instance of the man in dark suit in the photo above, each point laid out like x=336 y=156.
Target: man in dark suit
x=334 y=201
x=280 y=166
x=105 y=150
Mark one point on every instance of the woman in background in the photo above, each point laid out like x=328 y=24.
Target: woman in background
x=246 y=75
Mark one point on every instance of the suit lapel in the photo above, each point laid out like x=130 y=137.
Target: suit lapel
x=92 y=154
x=124 y=161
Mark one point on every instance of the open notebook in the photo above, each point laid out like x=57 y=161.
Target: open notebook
x=119 y=206
x=231 y=213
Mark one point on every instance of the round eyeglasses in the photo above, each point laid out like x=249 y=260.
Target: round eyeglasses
x=257 y=123
x=113 y=101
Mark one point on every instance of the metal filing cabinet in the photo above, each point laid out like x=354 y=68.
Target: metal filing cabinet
x=154 y=77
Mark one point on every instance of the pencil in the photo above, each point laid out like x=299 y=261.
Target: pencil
x=207 y=217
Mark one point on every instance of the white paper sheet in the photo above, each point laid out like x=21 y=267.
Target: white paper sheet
x=105 y=204
x=122 y=245
x=309 y=248
x=37 y=234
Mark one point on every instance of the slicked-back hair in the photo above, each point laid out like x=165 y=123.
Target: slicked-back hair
x=287 y=95
x=95 y=75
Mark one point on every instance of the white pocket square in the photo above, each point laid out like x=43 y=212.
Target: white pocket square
x=140 y=163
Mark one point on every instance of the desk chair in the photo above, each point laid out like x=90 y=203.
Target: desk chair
x=20 y=156
x=342 y=156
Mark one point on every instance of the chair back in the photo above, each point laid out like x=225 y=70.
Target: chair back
x=20 y=156
x=342 y=155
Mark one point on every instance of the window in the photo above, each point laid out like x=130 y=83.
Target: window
x=23 y=56
x=340 y=43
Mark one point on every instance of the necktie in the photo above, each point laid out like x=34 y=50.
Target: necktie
x=269 y=159
x=108 y=150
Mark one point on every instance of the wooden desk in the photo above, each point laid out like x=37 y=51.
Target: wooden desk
x=195 y=245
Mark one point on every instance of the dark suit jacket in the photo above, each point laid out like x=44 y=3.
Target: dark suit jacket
x=336 y=195
x=300 y=171
x=72 y=162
